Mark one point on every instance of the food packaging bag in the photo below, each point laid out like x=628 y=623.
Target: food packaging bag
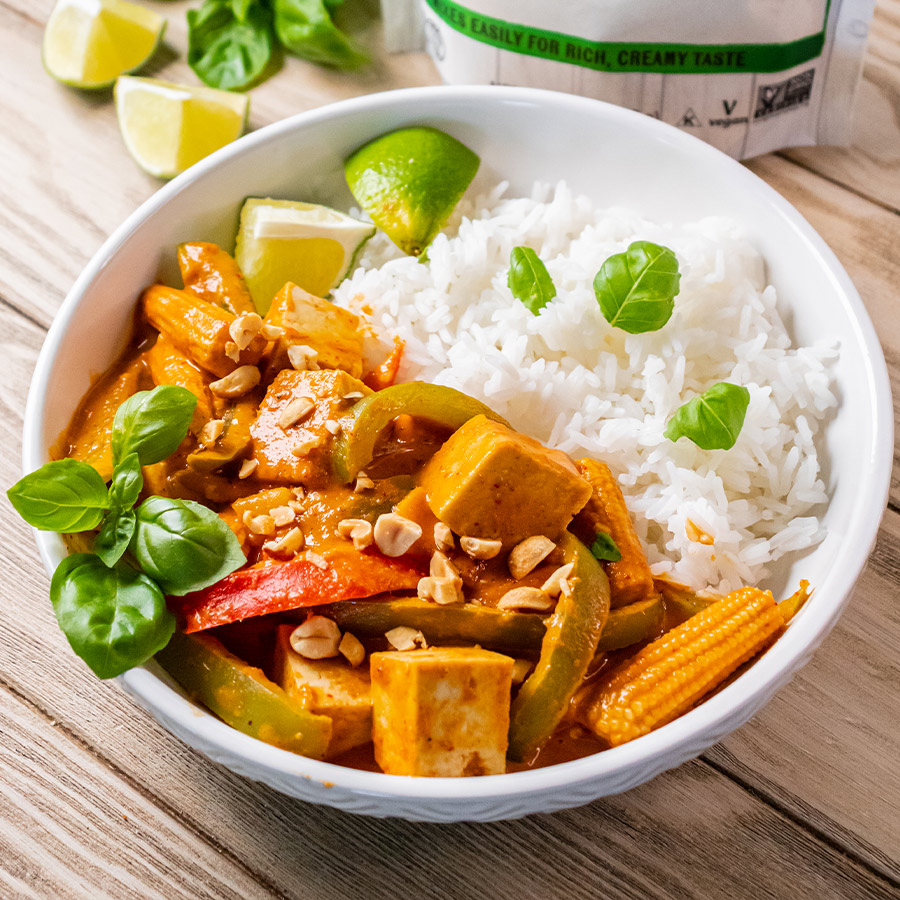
x=748 y=76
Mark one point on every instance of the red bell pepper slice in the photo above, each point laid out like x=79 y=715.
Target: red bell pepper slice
x=276 y=587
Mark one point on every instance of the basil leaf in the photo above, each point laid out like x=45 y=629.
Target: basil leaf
x=183 y=546
x=529 y=280
x=67 y=495
x=152 y=423
x=636 y=289
x=127 y=482
x=713 y=420
x=230 y=42
x=306 y=29
x=114 y=535
x=605 y=548
x=114 y=618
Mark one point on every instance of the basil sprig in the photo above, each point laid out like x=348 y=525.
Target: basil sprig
x=232 y=44
x=529 y=280
x=111 y=603
x=636 y=289
x=115 y=618
x=605 y=548
x=183 y=545
x=713 y=420
x=152 y=423
x=67 y=495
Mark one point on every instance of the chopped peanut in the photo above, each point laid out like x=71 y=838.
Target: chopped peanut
x=351 y=649
x=287 y=545
x=248 y=467
x=441 y=589
x=443 y=537
x=244 y=328
x=558 y=582
x=303 y=357
x=295 y=411
x=394 y=535
x=282 y=515
x=236 y=383
x=480 y=548
x=405 y=638
x=363 y=483
x=317 y=638
x=357 y=530
x=526 y=598
x=527 y=554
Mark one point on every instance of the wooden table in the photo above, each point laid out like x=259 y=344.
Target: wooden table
x=97 y=801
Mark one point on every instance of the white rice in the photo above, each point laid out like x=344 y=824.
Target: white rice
x=571 y=380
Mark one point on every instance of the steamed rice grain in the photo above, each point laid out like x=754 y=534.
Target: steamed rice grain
x=569 y=379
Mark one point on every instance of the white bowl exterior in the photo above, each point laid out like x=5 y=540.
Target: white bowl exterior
x=618 y=158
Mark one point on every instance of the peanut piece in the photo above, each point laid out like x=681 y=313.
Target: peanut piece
x=317 y=638
x=351 y=649
x=236 y=383
x=303 y=357
x=443 y=537
x=357 y=530
x=297 y=409
x=405 y=638
x=244 y=328
x=528 y=553
x=525 y=598
x=480 y=548
x=394 y=534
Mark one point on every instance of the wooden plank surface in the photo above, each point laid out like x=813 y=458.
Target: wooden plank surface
x=802 y=802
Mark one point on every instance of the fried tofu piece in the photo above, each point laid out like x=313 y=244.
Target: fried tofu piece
x=442 y=712
x=310 y=321
x=630 y=578
x=489 y=481
x=292 y=442
x=198 y=329
x=327 y=687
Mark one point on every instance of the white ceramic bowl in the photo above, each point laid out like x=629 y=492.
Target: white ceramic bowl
x=617 y=157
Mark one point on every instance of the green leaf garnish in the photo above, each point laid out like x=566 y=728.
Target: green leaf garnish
x=67 y=496
x=713 y=420
x=605 y=548
x=152 y=423
x=114 y=618
x=306 y=29
x=529 y=280
x=183 y=545
x=230 y=42
x=636 y=289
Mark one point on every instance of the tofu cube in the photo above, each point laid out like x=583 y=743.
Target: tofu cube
x=327 y=687
x=331 y=331
x=441 y=712
x=299 y=452
x=489 y=481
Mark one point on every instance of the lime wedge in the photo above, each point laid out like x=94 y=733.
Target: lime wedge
x=409 y=181
x=168 y=127
x=288 y=240
x=89 y=43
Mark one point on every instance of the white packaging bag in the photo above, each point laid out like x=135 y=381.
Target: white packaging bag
x=748 y=76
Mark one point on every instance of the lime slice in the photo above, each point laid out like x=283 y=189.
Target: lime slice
x=89 y=43
x=409 y=181
x=168 y=127
x=287 y=240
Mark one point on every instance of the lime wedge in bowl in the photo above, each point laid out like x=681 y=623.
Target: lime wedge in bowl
x=89 y=43
x=288 y=240
x=168 y=127
x=409 y=181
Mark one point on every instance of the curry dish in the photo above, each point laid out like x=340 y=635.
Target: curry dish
x=426 y=589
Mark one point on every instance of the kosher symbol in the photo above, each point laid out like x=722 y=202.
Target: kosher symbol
x=689 y=119
x=729 y=106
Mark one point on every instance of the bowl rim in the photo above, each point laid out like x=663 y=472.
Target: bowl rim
x=669 y=742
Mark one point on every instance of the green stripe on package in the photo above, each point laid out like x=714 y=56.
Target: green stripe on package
x=749 y=76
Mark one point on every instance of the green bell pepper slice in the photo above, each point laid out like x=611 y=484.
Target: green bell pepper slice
x=471 y=623
x=242 y=696
x=366 y=419
x=573 y=633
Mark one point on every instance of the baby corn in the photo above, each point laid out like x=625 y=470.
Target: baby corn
x=670 y=675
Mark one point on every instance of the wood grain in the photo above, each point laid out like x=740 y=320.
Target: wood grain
x=88 y=833
x=803 y=802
